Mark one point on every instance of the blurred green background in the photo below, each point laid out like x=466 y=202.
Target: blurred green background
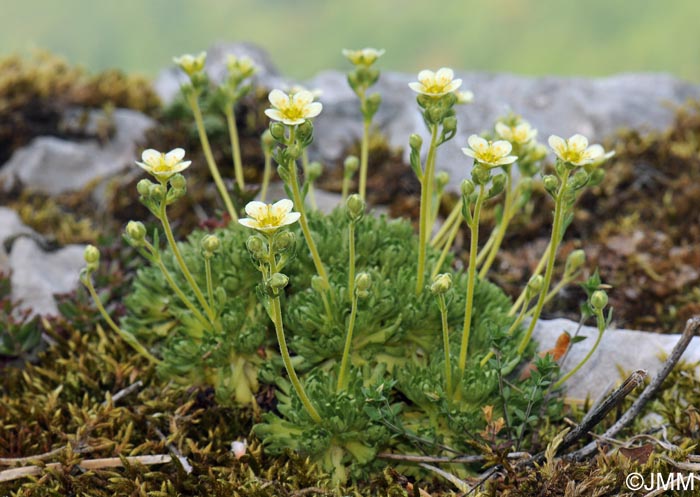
x=591 y=37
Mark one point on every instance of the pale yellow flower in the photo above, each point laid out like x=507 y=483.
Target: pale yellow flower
x=521 y=134
x=292 y=109
x=436 y=84
x=489 y=153
x=576 y=151
x=464 y=97
x=191 y=64
x=244 y=66
x=268 y=218
x=316 y=93
x=364 y=57
x=163 y=166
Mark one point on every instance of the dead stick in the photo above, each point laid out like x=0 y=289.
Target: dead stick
x=596 y=415
x=124 y=392
x=691 y=328
x=445 y=460
x=109 y=462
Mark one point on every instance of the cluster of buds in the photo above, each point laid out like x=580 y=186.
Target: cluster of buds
x=522 y=136
x=355 y=208
x=362 y=77
x=193 y=66
x=240 y=69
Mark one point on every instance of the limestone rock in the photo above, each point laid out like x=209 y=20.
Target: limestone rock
x=11 y=227
x=627 y=350
x=38 y=275
x=54 y=166
x=595 y=107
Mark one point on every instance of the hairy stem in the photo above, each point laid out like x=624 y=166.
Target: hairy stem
x=235 y=146
x=425 y=210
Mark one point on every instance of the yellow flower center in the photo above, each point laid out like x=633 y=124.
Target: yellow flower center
x=488 y=156
x=271 y=218
x=435 y=87
x=293 y=111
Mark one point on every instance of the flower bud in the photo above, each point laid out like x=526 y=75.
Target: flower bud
x=267 y=141
x=91 y=254
x=156 y=192
x=574 y=262
x=467 y=187
x=255 y=246
x=144 y=187
x=294 y=151
x=362 y=283
x=136 y=231
x=449 y=124
x=442 y=178
x=551 y=183
x=305 y=131
x=313 y=171
x=355 y=207
x=599 y=300
x=372 y=104
x=481 y=174
x=534 y=286
x=579 y=179
x=351 y=165
x=441 y=284
x=210 y=244
x=415 y=141
x=283 y=241
x=597 y=177
x=277 y=131
x=178 y=182
x=278 y=281
x=317 y=284
x=526 y=184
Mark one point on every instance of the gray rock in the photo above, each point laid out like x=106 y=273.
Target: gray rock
x=167 y=84
x=625 y=350
x=594 y=107
x=38 y=275
x=11 y=227
x=54 y=166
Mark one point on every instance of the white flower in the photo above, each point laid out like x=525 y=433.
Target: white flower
x=576 y=151
x=436 y=84
x=293 y=90
x=464 y=97
x=364 y=57
x=521 y=133
x=161 y=165
x=489 y=153
x=292 y=109
x=191 y=64
x=268 y=218
x=242 y=66
x=239 y=448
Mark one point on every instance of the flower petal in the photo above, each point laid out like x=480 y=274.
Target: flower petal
x=303 y=98
x=503 y=131
x=453 y=86
x=274 y=114
x=577 y=142
x=278 y=99
x=426 y=77
x=151 y=157
x=313 y=109
x=174 y=156
x=469 y=152
x=249 y=223
x=477 y=143
x=594 y=152
x=417 y=87
x=282 y=207
x=557 y=144
x=256 y=209
x=291 y=218
x=444 y=75
x=501 y=147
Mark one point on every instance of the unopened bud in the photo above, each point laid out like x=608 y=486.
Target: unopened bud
x=144 y=187
x=92 y=257
x=255 y=246
x=351 y=165
x=283 y=241
x=449 y=124
x=136 y=231
x=313 y=171
x=415 y=141
x=362 y=283
x=534 y=286
x=599 y=300
x=372 y=103
x=441 y=284
x=267 y=141
x=575 y=261
x=551 y=183
x=305 y=130
x=597 y=177
x=467 y=187
x=178 y=182
x=210 y=244
x=156 y=192
x=579 y=179
x=277 y=131
x=355 y=207
x=442 y=178
x=278 y=281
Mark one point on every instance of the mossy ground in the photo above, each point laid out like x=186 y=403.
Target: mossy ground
x=62 y=398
